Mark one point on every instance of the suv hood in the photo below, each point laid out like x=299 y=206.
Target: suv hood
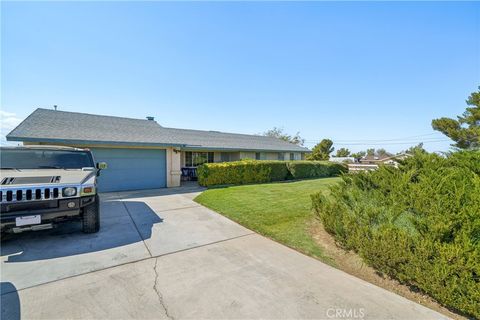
x=29 y=177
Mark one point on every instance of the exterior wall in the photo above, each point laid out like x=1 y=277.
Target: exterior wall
x=235 y=156
x=272 y=156
x=182 y=159
x=232 y=156
x=247 y=155
x=173 y=167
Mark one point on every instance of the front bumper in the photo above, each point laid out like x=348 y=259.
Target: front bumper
x=50 y=211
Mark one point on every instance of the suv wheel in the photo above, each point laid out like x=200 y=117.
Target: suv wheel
x=91 y=217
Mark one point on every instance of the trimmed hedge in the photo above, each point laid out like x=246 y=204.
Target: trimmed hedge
x=315 y=169
x=419 y=223
x=253 y=171
x=241 y=172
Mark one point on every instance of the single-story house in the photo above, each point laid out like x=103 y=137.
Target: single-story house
x=141 y=154
x=371 y=162
x=383 y=159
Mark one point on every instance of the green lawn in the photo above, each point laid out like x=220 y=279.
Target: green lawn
x=280 y=211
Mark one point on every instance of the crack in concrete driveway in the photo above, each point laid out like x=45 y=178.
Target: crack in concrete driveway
x=159 y=294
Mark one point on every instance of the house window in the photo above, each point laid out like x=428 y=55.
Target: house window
x=292 y=156
x=260 y=156
x=225 y=156
x=194 y=159
x=281 y=156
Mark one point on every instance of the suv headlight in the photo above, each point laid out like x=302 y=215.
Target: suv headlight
x=69 y=192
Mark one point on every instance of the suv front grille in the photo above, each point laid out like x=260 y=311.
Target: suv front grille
x=30 y=194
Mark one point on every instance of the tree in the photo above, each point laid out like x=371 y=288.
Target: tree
x=343 y=152
x=465 y=131
x=358 y=155
x=371 y=152
x=415 y=149
x=382 y=152
x=322 y=150
x=279 y=133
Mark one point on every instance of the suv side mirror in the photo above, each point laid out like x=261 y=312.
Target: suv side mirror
x=101 y=165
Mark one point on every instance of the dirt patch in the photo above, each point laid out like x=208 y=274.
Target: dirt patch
x=353 y=264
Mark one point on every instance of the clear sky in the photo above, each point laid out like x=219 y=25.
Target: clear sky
x=346 y=71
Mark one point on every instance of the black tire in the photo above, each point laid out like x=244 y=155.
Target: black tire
x=91 y=217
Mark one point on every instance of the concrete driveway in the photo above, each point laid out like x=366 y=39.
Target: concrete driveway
x=161 y=255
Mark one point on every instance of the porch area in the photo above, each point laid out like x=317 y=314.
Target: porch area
x=191 y=159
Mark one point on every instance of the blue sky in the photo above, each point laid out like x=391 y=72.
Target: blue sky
x=346 y=71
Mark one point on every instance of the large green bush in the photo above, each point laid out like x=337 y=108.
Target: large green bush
x=252 y=171
x=241 y=172
x=419 y=223
x=314 y=169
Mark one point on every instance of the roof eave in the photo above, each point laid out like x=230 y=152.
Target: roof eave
x=93 y=142
x=194 y=147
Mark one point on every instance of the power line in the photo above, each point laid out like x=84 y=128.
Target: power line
x=388 y=144
x=379 y=141
x=386 y=140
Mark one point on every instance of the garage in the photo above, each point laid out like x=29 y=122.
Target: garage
x=131 y=169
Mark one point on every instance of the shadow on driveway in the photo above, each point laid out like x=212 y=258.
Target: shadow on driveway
x=10 y=302
x=117 y=229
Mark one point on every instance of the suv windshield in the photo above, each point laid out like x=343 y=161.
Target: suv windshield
x=44 y=159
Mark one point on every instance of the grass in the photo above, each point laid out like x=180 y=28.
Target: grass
x=280 y=211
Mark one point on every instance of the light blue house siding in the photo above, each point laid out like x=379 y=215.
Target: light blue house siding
x=131 y=169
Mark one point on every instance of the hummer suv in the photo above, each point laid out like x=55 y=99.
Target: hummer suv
x=41 y=186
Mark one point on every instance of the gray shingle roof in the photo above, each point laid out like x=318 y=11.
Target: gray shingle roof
x=72 y=127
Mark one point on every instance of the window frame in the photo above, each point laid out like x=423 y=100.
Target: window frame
x=191 y=158
x=260 y=156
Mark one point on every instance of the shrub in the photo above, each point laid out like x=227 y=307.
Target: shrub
x=253 y=171
x=419 y=223
x=314 y=169
x=241 y=172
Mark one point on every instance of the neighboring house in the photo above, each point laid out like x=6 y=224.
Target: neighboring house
x=371 y=162
x=374 y=159
x=342 y=159
x=141 y=154
x=384 y=159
